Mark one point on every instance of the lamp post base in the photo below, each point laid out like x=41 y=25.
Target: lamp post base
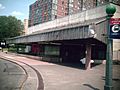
x=106 y=87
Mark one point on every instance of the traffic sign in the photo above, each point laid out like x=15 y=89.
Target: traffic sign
x=2 y=44
x=114 y=21
x=115 y=28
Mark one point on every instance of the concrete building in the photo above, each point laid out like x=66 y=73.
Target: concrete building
x=47 y=10
x=73 y=37
x=62 y=8
x=25 y=26
x=42 y=11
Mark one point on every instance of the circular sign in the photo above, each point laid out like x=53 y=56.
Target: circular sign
x=115 y=28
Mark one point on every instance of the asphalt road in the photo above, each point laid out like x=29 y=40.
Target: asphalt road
x=12 y=76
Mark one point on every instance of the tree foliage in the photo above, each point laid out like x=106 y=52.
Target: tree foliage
x=10 y=26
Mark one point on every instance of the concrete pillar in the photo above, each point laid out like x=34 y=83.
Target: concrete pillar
x=17 y=48
x=88 y=57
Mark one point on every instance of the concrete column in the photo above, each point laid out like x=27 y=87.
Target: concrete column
x=88 y=57
x=17 y=48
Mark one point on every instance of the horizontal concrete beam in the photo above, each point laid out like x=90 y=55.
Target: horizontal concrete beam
x=65 y=34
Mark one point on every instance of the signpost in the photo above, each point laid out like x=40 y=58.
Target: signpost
x=114 y=28
x=2 y=44
x=111 y=31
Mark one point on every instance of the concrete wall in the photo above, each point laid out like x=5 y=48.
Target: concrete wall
x=116 y=44
x=116 y=49
x=116 y=55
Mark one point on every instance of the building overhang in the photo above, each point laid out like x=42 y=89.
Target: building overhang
x=76 y=29
x=71 y=32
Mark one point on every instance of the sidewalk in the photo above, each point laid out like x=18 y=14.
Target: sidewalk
x=63 y=77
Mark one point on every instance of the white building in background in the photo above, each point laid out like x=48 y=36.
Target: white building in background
x=25 y=26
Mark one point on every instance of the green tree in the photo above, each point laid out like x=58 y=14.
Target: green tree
x=10 y=26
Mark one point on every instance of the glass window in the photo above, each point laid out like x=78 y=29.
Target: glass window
x=55 y=1
x=52 y=50
x=62 y=2
x=49 y=17
x=71 y=1
x=54 y=6
x=45 y=7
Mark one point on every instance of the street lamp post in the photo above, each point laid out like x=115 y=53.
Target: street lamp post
x=110 y=10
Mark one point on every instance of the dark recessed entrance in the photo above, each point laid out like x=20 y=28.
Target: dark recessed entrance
x=73 y=50
x=72 y=53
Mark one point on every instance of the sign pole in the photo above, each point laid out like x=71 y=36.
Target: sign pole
x=110 y=10
x=108 y=77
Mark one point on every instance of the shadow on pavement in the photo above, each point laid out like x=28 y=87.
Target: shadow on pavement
x=90 y=86
x=73 y=65
x=76 y=65
x=114 y=79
